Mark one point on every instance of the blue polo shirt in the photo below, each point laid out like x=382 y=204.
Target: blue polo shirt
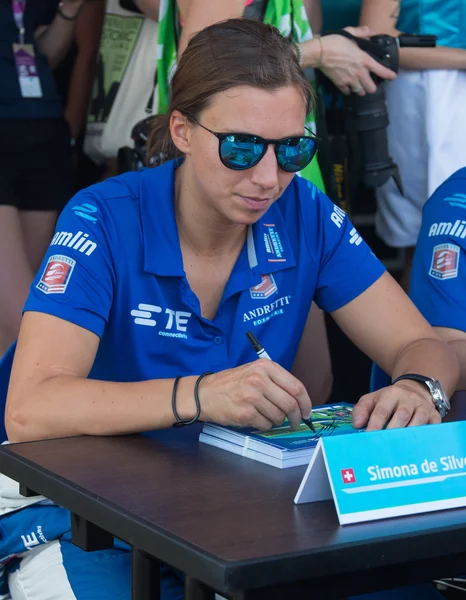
x=115 y=268
x=438 y=279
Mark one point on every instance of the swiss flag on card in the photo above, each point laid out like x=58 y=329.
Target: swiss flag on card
x=348 y=475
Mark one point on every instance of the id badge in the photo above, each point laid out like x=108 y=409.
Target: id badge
x=28 y=77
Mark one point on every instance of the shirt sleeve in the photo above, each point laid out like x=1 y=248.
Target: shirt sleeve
x=77 y=277
x=438 y=277
x=346 y=265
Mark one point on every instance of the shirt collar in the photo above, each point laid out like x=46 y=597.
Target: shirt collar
x=268 y=245
x=162 y=252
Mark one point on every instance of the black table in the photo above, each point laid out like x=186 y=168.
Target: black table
x=228 y=523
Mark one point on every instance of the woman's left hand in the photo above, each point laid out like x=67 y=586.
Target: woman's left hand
x=405 y=404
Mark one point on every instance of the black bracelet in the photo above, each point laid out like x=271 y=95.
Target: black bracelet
x=183 y=422
x=66 y=17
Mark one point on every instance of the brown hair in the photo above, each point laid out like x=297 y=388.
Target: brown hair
x=221 y=56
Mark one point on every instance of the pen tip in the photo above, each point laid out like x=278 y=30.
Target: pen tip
x=310 y=424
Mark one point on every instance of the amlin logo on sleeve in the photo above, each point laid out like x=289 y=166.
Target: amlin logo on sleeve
x=79 y=241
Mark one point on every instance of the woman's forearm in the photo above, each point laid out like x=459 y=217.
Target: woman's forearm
x=65 y=406
x=55 y=40
x=314 y=14
x=433 y=58
x=150 y=8
x=430 y=357
x=456 y=339
x=88 y=32
x=459 y=348
x=382 y=17
x=198 y=14
x=312 y=52
x=79 y=94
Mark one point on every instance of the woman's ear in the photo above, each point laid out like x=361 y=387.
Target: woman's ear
x=180 y=130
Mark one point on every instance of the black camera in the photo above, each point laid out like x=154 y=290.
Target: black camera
x=133 y=159
x=366 y=117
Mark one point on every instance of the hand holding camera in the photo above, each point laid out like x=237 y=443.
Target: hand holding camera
x=366 y=117
x=347 y=66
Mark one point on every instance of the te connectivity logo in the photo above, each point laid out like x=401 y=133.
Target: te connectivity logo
x=173 y=323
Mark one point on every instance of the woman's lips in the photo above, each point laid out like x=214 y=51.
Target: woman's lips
x=256 y=203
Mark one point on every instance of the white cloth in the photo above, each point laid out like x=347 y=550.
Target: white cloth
x=124 y=81
x=41 y=575
x=427 y=111
x=11 y=499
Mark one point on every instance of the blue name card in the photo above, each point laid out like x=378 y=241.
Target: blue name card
x=380 y=474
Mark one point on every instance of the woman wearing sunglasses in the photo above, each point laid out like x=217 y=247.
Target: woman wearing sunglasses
x=137 y=319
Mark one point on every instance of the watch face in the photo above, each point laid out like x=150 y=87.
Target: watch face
x=445 y=399
x=439 y=397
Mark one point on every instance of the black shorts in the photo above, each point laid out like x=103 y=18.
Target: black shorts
x=35 y=164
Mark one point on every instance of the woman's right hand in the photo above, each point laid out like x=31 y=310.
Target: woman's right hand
x=347 y=66
x=259 y=394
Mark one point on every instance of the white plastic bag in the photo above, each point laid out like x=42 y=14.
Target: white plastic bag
x=124 y=82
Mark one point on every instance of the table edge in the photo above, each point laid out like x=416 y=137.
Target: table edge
x=221 y=574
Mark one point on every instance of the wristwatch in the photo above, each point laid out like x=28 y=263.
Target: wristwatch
x=440 y=399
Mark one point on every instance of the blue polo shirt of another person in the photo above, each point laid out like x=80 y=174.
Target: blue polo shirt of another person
x=438 y=279
x=115 y=268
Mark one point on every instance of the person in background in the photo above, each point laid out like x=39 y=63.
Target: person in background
x=438 y=277
x=426 y=109
x=74 y=78
x=35 y=154
x=337 y=57
x=87 y=37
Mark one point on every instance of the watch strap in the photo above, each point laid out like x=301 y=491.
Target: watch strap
x=440 y=403
x=413 y=377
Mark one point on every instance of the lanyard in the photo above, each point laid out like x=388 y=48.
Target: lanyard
x=19 y=7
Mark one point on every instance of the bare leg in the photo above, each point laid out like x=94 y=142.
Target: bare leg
x=406 y=275
x=313 y=365
x=38 y=227
x=15 y=275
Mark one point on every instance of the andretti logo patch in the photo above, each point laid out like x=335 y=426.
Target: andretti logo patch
x=56 y=275
x=445 y=259
x=265 y=288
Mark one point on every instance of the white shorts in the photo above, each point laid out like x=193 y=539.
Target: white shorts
x=426 y=139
